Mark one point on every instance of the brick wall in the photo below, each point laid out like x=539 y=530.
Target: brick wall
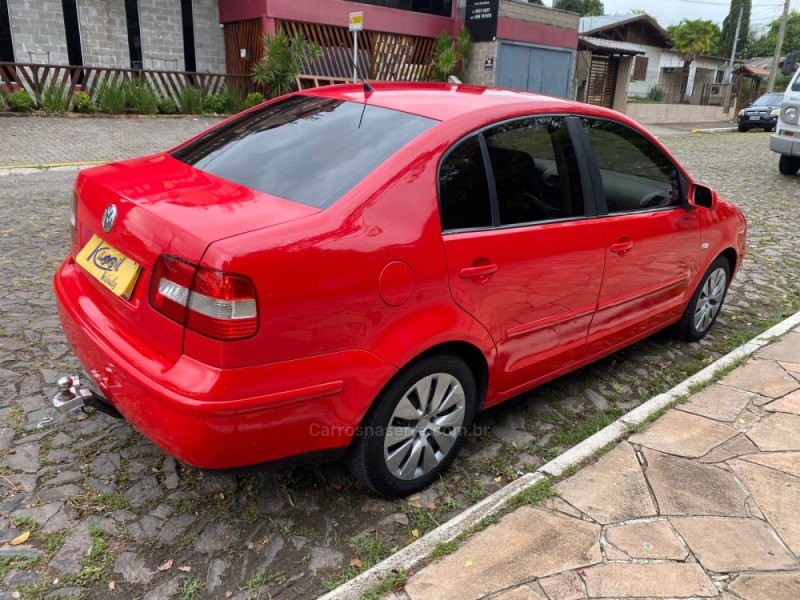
x=209 y=39
x=162 y=34
x=37 y=27
x=104 y=33
x=475 y=71
x=523 y=11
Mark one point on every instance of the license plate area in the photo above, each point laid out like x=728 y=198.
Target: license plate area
x=109 y=266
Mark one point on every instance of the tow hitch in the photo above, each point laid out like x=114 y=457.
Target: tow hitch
x=73 y=395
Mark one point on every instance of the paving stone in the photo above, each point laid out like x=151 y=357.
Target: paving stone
x=762 y=377
x=73 y=592
x=734 y=447
x=104 y=524
x=166 y=590
x=647 y=540
x=274 y=546
x=746 y=420
x=717 y=402
x=75 y=548
x=523 y=592
x=787 y=349
x=684 y=434
x=40 y=514
x=777 y=495
x=163 y=511
x=59 y=493
x=611 y=489
x=767 y=586
x=792 y=367
x=145 y=528
x=23 y=578
x=717 y=543
x=779 y=431
x=24 y=458
x=530 y=542
x=216 y=571
x=143 y=491
x=564 y=586
x=106 y=465
x=63 y=477
x=788 y=462
x=133 y=568
x=787 y=404
x=26 y=482
x=324 y=559
x=512 y=436
x=653 y=580
x=175 y=527
x=514 y=421
x=215 y=537
x=686 y=487
x=170 y=473
x=61 y=455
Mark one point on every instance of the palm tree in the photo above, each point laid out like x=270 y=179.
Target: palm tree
x=692 y=39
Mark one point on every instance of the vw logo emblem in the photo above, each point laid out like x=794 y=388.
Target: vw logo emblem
x=109 y=216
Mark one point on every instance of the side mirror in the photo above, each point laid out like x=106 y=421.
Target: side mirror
x=702 y=196
x=790 y=63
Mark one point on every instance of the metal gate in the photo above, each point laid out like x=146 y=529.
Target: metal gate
x=602 y=81
x=534 y=68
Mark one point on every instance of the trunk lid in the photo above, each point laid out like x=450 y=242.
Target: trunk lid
x=164 y=206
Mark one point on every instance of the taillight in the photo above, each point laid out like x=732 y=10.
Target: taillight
x=216 y=304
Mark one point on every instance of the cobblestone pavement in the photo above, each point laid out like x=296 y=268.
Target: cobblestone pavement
x=49 y=140
x=111 y=516
x=700 y=505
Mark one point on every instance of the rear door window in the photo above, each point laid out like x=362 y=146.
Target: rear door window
x=308 y=149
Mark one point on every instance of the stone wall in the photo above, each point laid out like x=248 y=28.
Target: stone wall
x=209 y=37
x=475 y=71
x=37 y=27
x=104 y=33
x=162 y=34
x=532 y=13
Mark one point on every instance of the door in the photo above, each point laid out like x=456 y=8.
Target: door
x=534 y=69
x=523 y=256
x=651 y=235
x=602 y=81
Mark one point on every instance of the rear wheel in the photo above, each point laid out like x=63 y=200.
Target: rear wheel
x=789 y=165
x=416 y=426
x=703 y=309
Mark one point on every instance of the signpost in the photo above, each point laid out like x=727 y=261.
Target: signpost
x=356 y=25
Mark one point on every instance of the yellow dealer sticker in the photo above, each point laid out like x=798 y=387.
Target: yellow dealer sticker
x=109 y=266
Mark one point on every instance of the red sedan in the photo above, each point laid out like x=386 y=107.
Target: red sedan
x=356 y=272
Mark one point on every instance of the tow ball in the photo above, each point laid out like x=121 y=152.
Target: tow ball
x=72 y=395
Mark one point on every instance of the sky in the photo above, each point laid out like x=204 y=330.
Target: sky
x=670 y=12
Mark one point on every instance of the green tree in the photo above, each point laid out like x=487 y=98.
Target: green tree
x=765 y=45
x=728 y=32
x=692 y=40
x=283 y=59
x=585 y=8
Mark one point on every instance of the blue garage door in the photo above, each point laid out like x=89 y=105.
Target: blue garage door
x=533 y=68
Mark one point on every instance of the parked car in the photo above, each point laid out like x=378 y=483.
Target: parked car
x=786 y=140
x=761 y=114
x=349 y=272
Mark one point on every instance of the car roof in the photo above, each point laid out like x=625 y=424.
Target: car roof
x=445 y=101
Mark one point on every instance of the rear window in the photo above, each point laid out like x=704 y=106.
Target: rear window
x=307 y=149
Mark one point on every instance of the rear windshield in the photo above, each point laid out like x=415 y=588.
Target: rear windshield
x=769 y=100
x=305 y=148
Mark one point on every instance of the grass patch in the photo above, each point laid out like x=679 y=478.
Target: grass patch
x=55 y=541
x=368 y=551
x=191 y=589
x=534 y=495
x=97 y=566
x=25 y=524
x=255 y=581
x=392 y=582
x=444 y=549
x=94 y=503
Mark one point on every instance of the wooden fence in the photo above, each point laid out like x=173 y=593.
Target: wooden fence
x=35 y=78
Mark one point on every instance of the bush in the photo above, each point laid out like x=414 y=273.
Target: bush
x=253 y=98
x=214 y=103
x=142 y=98
x=167 y=106
x=112 y=97
x=233 y=101
x=656 y=94
x=83 y=103
x=284 y=58
x=190 y=99
x=20 y=101
x=54 y=98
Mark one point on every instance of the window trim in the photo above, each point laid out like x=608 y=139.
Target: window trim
x=597 y=178
x=572 y=121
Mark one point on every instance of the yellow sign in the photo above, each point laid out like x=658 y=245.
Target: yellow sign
x=356 y=21
x=109 y=266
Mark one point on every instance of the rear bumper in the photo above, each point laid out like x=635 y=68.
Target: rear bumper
x=221 y=418
x=790 y=146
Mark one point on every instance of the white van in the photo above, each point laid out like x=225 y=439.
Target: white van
x=786 y=139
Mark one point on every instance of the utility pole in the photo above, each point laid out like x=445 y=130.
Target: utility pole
x=729 y=70
x=773 y=72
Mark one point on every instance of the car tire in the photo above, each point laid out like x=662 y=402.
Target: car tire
x=742 y=129
x=706 y=302
x=406 y=440
x=789 y=165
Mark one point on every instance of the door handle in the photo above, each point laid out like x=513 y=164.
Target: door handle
x=479 y=271
x=623 y=246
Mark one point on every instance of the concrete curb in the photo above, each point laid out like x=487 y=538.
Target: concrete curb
x=714 y=130
x=413 y=555
x=29 y=169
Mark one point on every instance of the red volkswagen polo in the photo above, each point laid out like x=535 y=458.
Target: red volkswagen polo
x=356 y=272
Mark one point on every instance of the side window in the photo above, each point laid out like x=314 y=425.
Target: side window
x=636 y=175
x=535 y=171
x=463 y=189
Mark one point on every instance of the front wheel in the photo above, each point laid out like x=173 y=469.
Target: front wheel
x=703 y=309
x=416 y=427
x=789 y=165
